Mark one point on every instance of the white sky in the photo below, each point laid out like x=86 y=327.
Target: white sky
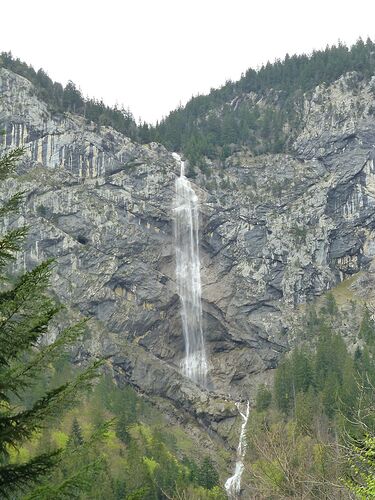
x=151 y=55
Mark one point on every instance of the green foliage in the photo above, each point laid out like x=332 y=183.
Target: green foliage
x=286 y=463
x=361 y=475
x=8 y=164
x=327 y=370
x=305 y=407
x=294 y=375
x=330 y=307
x=26 y=311
x=263 y=398
x=99 y=458
x=214 y=125
x=138 y=494
x=81 y=466
x=207 y=475
x=76 y=437
x=322 y=398
x=211 y=125
x=367 y=329
x=69 y=99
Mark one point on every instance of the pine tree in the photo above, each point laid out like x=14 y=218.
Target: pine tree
x=330 y=306
x=26 y=310
x=72 y=98
x=367 y=329
x=208 y=476
x=302 y=370
x=122 y=430
x=76 y=438
x=263 y=398
x=284 y=389
x=192 y=467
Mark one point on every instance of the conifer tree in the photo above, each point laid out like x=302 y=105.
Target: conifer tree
x=76 y=438
x=121 y=429
x=263 y=398
x=367 y=329
x=208 y=476
x=26 y=310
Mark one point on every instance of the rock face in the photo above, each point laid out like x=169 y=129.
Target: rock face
x=276 y=230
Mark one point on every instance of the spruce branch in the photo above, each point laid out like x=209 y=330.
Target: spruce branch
x=8 y=162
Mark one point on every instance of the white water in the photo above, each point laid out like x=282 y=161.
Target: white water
x=194 y=365
x=233 y=484
x=186 y=210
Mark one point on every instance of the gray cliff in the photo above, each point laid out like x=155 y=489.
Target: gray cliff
x=276 y=231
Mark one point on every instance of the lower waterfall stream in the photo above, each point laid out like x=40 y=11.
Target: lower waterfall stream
x=233 y=484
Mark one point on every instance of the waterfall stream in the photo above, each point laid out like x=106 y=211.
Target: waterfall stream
x=233 y=484
x=188 y=278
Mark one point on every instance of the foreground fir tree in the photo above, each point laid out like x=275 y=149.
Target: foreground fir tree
x=26 y=311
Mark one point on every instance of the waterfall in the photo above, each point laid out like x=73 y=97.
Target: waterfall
x=233 y=484
x=186 y=212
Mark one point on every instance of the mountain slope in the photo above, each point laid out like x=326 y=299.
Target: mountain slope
x=264 y=109
x=276 y=230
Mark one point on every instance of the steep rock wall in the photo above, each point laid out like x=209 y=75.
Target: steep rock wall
x=276 y=230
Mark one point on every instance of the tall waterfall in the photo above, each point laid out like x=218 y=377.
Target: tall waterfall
x=194 y=365
x=233 y=484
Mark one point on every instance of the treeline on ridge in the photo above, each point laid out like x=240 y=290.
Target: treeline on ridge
x=214 y=125
x=70 y=99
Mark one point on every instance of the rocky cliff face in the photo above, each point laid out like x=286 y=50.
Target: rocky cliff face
x=276 y=230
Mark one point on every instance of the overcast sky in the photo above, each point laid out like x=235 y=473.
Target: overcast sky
x=150 y=55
